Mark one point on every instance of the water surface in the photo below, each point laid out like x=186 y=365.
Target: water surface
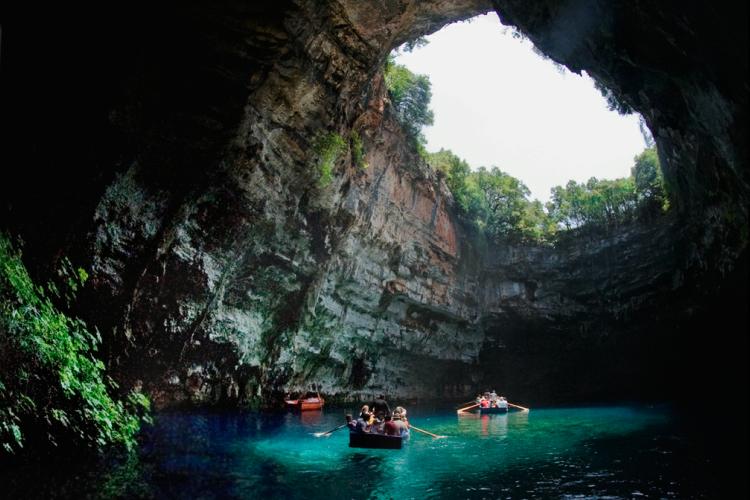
x=596 y=452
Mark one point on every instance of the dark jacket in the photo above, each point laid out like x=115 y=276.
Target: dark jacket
x=380 y=407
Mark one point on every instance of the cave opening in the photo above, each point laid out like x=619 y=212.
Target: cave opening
x=253 y=218
x=603 y=225
x=497 y=100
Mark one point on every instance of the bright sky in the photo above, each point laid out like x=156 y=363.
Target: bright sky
x=496 y=102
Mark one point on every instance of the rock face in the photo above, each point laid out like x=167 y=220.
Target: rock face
x=225 y=271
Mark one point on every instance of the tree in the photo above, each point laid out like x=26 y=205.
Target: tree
x=596 y=203
x=457 y=173
x=410 y=95
x=649 y=182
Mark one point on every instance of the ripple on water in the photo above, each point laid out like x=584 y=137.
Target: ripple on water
x=604 y=452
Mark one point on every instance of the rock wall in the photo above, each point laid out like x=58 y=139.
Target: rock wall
x=225 y=272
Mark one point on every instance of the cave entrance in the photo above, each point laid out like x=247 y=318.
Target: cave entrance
x=559 y=149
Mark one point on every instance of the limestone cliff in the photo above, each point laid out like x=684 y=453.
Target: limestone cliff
x=224 y=270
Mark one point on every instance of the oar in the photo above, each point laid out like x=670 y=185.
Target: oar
x=319 y=434
x=467 y=408
x=425 y=432
x=467 y=402
x=518 y=406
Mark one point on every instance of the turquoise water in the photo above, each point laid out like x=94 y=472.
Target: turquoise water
x=598 y=452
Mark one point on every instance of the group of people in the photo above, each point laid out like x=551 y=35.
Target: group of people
x=377 y=418
x=491 y=400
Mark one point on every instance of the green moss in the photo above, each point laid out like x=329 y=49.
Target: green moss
x=358 y=150
x=328 y=148
x=50 y=379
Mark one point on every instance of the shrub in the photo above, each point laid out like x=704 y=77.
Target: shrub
x=52 y=386
x=358 y=150
x=410 y=95
x=328 y=147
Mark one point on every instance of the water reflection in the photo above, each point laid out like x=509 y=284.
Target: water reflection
x=616 y=451
x=311 y=417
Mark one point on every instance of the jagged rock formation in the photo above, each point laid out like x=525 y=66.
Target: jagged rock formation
x=224 y=271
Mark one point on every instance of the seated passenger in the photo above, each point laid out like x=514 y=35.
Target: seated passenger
x=390 y=428
x=403 y=417
x=351 y=424
x=377 y=425
x=362 y=426
x=400 y=425
x=484 y=403
x=366 y=415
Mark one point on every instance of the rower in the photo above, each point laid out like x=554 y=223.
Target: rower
x=380 y=407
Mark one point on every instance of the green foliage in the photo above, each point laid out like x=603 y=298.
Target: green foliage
x=499 y=205
x=410 y=95
x=649 y=183
x=508 y=213
x=328 y=147
x=358 y=150
x=600 y=203
x=50 y=380
x=496 y=202
x=456 y=173
x=609 y=203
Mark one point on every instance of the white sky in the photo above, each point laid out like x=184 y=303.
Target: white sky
x=496 y=102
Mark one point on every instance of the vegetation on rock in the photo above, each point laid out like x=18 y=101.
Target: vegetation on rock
x=328 y=147
x=410 y=96
x=51 y=382
x=495 y=201
x=499 y=204
x=358 y=150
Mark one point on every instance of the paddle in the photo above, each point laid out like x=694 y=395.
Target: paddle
x=467 y=408
x=518 y=406
x=319 y=434
x=426 y=432
x=473 y=400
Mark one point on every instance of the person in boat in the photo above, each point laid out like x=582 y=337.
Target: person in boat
x=399 y=423
x=366 y=415
x=361 y=425
x=484 y=403
x=380 y=406
x=351 y=424
x=400 y=412
x=378 y=425
x=493 y=395
x=396 y=426
x=390 y=428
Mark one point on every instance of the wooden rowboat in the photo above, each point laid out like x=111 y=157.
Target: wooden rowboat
x=306 y=404
x=381 y=441
x=493 y=411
